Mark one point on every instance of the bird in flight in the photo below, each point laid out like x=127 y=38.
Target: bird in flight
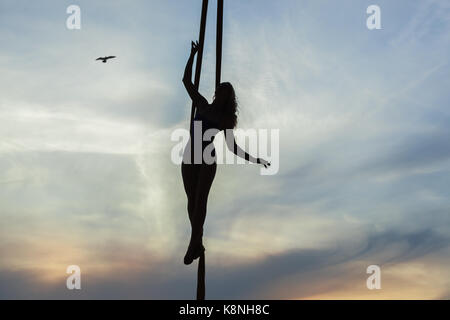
x=104 y=59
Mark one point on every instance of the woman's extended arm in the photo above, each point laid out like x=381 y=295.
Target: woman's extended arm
x=196 y=97
x=187 y=77
x=233 y=147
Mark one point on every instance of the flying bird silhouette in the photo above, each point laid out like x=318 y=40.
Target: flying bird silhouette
x=104 y=59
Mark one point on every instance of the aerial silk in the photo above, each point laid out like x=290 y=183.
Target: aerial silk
x=198 y=69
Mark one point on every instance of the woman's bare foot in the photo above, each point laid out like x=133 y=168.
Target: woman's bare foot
x=194 y=251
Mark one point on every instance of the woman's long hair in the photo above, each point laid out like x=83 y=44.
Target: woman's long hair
x=225 y=98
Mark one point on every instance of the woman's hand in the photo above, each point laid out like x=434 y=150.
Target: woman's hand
x=265 y=163
x=194 y=47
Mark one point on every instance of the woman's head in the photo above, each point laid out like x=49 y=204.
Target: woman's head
x=225 y=99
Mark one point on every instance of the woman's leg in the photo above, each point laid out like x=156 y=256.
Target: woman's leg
x=205 y=178
x=189 y=173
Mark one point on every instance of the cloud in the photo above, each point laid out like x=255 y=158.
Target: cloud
x=85 y=163
x=299 y=273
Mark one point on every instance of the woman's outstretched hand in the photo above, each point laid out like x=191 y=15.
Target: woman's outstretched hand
x=265 y=163
x=194 y=47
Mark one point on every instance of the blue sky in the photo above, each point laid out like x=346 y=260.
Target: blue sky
x=364 y=174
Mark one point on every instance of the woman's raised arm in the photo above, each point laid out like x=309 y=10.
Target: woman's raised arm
x=196 y=97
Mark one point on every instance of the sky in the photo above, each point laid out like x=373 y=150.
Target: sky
x=364 y=156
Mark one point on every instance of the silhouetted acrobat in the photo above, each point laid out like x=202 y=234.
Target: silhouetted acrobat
x=198 y=178
x=105 y=59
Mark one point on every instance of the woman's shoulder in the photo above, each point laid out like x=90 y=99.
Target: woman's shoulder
x=203 y=106
x=201 y=102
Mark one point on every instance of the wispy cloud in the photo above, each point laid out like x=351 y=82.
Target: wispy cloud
x=85 y=169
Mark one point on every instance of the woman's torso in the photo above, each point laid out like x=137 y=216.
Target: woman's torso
x=206 y=126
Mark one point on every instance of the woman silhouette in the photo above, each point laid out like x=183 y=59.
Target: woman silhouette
x=198 y=177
